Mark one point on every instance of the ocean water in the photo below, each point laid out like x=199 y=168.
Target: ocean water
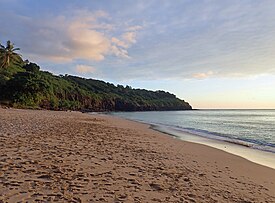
x=254 y=129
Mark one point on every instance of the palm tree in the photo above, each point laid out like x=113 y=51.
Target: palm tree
x=8 y=55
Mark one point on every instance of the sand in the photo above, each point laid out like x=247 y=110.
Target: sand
x=51 y=156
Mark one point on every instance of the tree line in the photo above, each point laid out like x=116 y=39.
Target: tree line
x=24 y=85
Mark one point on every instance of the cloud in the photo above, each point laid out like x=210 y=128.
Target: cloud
x=76 y=35
x=120 y=46
x=85 y=69
x=134 y=28
x=230 y=38
x=202 y=75
x=130 y=37
x=126 y=41
x=119 y=43
x=119 y=52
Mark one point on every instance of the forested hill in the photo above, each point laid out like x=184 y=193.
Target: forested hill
x=24 y=85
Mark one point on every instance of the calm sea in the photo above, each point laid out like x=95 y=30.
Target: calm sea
x=251 y=128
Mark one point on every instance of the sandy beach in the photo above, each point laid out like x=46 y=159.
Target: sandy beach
x=75 y=157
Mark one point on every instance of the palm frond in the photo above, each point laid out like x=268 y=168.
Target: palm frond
x=16 y=49
x=8 y=55
x=16 y=54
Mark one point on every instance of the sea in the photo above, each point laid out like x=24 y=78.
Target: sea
x=246 y=133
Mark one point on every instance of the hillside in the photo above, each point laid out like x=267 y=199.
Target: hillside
x=24 y=85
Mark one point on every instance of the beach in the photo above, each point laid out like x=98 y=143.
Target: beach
x=76 y=157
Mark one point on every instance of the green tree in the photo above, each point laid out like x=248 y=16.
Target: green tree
x=8 y=55
x=31 y=67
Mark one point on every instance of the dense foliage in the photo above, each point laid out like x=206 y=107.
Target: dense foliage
x=24 y=85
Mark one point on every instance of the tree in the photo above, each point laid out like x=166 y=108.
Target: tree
x=8 y=55
x=31 y=67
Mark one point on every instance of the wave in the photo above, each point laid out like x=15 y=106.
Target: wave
x=178 y=131
x=249 y=131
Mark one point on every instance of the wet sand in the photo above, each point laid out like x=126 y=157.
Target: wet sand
x=74 y=157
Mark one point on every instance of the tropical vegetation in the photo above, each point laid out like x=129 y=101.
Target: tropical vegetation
x=25 y=85
x=8 y=54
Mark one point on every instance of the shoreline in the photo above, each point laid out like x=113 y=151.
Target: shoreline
x=71 y=156
x=244 y=150
x=262 y=157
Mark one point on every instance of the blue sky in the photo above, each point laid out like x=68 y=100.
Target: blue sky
x=213 y=54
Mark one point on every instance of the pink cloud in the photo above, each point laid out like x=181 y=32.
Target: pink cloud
x=202 y=75
x=84 y=35
x=85 y=69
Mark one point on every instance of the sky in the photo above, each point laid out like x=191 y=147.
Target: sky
x=211 y=53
